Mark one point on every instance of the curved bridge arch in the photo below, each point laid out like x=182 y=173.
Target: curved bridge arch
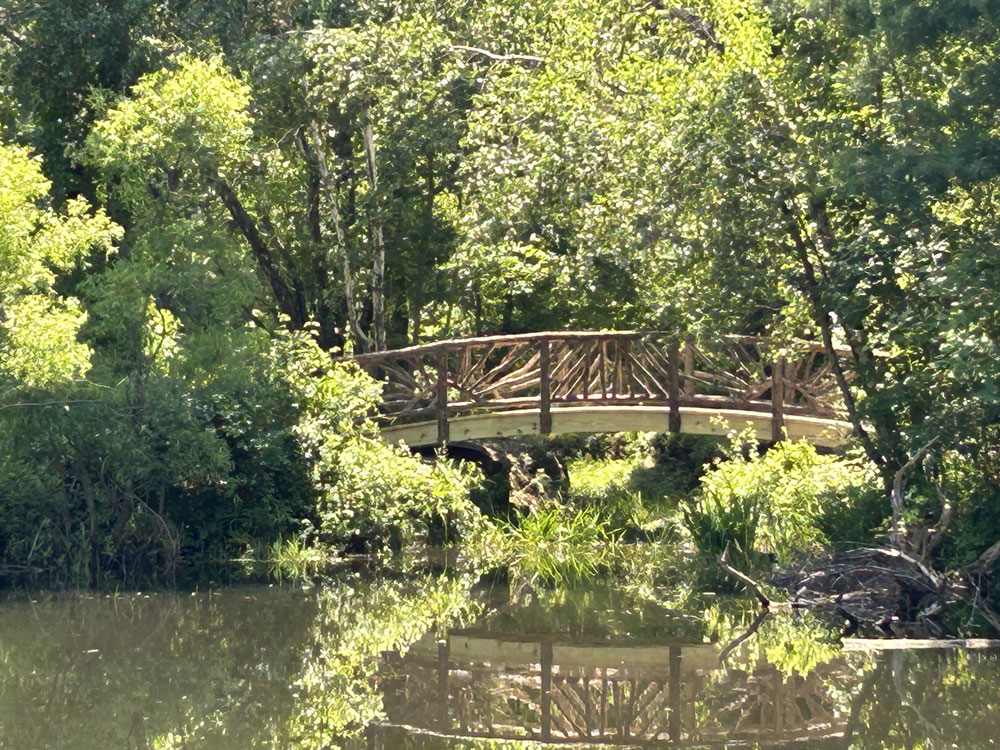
x=616 y=381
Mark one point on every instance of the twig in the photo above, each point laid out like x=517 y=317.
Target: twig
x=498 y=57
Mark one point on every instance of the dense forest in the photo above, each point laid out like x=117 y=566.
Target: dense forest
x=204 y=204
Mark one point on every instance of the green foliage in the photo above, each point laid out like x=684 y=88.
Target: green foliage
x=600 y=481
x=770 y=504
x=38 y=326
x=972 y=488
x=180 y=124
x=335 y=692
x=364 y=486
x=792 y=169
x=559 y=545
x=685 y=458
x=795 y=643
x=630 y=494
x=293 y=560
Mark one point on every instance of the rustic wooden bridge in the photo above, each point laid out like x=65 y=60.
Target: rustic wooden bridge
x=559 y=382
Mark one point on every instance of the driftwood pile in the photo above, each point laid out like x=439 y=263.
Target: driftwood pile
x=884 y=589
x=896 y=587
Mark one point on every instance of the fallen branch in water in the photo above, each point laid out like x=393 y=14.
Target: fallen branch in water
x=734 y=644
x=910 y=644
x=742 y=578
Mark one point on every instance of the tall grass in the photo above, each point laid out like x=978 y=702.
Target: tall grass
x=717 y=520
x=561 y=546
x=292 y=559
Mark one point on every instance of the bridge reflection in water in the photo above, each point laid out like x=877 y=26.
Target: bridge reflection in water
x=477 y=685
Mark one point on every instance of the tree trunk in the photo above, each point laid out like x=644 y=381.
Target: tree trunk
x=88 y=498
x=290 y=301
x=362 y=341
x=378 y=240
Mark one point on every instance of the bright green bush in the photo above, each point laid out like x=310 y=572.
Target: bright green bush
x=363 y=486
x=630 y=494
x=229 y=443
x=770 y=504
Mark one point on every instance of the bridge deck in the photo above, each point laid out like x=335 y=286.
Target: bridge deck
x=694 y=421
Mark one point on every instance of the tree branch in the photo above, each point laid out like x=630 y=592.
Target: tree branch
x=697 y=24
x=823 y=318
x=986 y=560
x=742 y=578
x=283 y=293
x=498 y=57
x=896 y=496
x=341 y=243
x=937 y=536
x=377 y=234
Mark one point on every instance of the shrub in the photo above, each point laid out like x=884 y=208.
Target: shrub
x=972 y=487
x=628 y=493
x=770 y=504
x=365 y=487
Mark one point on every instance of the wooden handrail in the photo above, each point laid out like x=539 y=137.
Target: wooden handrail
x=517 y=338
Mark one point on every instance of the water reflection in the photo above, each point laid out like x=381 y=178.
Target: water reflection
x=447 y=663
x=642 y=678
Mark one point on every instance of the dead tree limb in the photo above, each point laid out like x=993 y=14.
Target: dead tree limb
x=499 y=57
x=986 y=560
x=742 y=578
x=333 y=209
x=896 y=496
x=937 y=535
x=375 y=225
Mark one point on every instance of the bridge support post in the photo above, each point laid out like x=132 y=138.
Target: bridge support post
x=441 y=397
x=544 y=389
x=777 y=399
x=444 y=654
x=546 y=696
x=674 y=694
x=674 y=384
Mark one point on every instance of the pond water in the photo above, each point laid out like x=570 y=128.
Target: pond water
x=453 y=662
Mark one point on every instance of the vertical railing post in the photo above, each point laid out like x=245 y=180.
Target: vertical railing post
x=674 y=384
x=687 y=368
x=546 y=697
x=444 y=653
x=544 y=389
x=674 y=694
x=441 y=396
x=777 y=399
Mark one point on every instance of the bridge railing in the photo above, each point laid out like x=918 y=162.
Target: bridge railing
x=556 y=369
